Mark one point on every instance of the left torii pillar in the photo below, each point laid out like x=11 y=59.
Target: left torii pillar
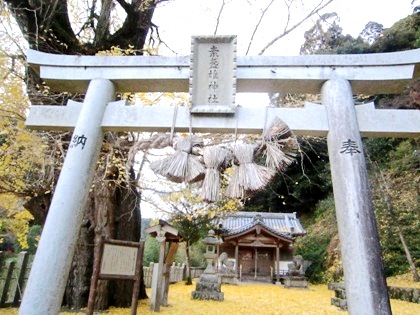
x=47 y=280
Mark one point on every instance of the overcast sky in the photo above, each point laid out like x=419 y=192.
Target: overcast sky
x=178 y=20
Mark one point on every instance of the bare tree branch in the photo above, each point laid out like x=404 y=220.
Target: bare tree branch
x=126 y=6
x=258 y=25
x=318 y=8
x=218 y=16
x=288 y=4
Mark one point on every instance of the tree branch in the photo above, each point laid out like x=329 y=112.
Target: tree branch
x=218 y=17
x=102 y=29
x=314 y=11
x=126 y=6
x=258 y=25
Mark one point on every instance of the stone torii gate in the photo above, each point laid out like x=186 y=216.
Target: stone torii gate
x=337 y=77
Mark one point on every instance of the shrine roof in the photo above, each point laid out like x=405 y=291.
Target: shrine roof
x=283 y=224
x=170 y=233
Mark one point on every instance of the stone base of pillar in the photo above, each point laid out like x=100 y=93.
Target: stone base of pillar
x=208 y=288
x=228 y=279
x=340 y=298
x=296 y=282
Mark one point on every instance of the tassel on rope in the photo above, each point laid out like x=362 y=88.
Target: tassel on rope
x=248 y=176
x=184 y=165
x=234 y=190
x=157 y=141
x=279 y=145
x=214 y=159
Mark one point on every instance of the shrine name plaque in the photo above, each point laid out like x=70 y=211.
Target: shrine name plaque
x=213 y=74
x=119 y=260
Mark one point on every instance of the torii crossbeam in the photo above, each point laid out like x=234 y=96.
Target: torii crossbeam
x=337 y=77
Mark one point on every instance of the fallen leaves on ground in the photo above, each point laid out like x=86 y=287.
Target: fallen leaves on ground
x=405 y=281
x=248 y=298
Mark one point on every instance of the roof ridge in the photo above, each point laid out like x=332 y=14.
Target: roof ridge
x=263 y=214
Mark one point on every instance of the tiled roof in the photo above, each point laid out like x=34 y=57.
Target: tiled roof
x=284 y=224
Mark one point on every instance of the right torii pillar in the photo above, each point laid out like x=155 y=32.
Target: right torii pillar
x=361 y=254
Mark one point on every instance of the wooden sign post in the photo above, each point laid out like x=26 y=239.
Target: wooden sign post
x=116 y=259
x=164 y=233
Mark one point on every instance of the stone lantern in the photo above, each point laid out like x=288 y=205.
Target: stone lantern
x=211 y=243
x=209 y=286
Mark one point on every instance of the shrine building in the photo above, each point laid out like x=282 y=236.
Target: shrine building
x=259 y=243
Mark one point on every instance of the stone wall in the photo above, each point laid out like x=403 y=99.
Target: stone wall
x=398 y=293
x=405 y=294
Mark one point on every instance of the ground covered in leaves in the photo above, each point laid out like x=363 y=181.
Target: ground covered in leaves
x=251 y=298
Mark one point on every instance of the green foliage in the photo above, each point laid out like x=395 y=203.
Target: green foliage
x=196 y=250
x=405 y=156
x=401 y=213
x=317 y=245
x=323 y=35
x=191 y=230
x=395 y=261
x=326 y=37
x=304 y=183
x=34 y=235
x=314 y=249
x=152 y=247
x=379 y=148
x=371 y=32
x=397 y=159
x=151 y=251
x=403 y=35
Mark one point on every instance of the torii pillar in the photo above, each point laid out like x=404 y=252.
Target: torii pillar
x=47 y=282
x=366 y=288
x=340 y=76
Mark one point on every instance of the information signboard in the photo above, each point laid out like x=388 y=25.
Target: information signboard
x=116 y=259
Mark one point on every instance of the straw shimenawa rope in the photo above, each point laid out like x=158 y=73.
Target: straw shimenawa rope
x=184 y=165
x=214 y=159
x=279 y=145
x=248 y=176
x=156 y=141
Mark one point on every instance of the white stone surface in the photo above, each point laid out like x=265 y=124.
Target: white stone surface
x=46 y=284
x=212 y=81
x=310 y=121
x=360 y=250
x=368 y=73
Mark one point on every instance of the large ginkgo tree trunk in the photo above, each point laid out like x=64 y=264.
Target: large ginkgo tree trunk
x=113 y=207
